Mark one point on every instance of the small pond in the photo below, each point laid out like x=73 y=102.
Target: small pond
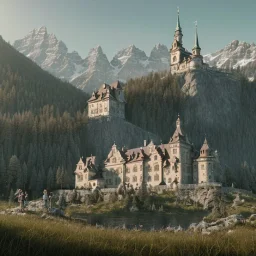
x=144 y=220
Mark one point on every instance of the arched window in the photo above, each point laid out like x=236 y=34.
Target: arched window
x=134 y=178
x=156 y=177
x=114 y=160
x=135 y=168
x=155 y=157
x=174 y=59
x=127 y=179
x=156 y=168
x=128 y=170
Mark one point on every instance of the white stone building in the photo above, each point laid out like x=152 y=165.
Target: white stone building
x=87 y=174
x=181 y=59
x=171 y=164
x=107 y=101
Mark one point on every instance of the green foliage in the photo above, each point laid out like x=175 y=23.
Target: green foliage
x=15 y=177
x=149 y=99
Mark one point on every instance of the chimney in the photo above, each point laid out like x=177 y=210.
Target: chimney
x=145 y=143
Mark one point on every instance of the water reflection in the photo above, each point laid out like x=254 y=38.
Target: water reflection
x=143 y=220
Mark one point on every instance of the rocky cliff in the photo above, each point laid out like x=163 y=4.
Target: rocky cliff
x=222 y=106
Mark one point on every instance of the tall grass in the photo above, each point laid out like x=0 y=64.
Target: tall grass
x=30 y=235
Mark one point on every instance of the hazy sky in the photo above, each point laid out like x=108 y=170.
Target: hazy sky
x=115 y=24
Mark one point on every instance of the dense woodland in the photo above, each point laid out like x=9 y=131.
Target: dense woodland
x=43 y=122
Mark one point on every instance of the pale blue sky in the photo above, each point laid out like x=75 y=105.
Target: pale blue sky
x=115 y=24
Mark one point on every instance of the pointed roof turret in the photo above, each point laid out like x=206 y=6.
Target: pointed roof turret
x=196 y=46
x=205 y=149
x=178 y=27
x=178 y=134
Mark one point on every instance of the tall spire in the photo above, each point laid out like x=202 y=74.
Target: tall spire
x=196 y=39
x=178 y=27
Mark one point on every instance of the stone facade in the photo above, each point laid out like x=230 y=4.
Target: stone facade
x=107 y=101
x=171 y=164
x=181 y=59
x=87 y=174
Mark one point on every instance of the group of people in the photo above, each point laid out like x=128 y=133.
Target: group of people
x=22 y=199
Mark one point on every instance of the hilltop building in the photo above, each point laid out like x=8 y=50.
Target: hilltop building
x=181 y=59
x=171 y=164
x=107 y=101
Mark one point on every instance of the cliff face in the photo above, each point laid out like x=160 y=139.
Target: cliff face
x=222 y=106
x=103 y=133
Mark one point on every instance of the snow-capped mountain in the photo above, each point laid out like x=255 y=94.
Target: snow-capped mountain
x=96 y=70
x=234 y=55
x=87 y=74
x=49 y=53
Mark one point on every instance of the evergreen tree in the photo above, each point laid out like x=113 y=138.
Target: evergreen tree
x=25 y=174
x=13 y=170
x=60 y=177
x=50 y=179
x=3 y=174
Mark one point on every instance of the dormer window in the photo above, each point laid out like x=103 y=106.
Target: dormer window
x=80 y=167
x=155 y=158
x=174 y=59
x=114 y=160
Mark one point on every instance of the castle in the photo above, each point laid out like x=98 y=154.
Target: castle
x=170 y=164
x=181 y=59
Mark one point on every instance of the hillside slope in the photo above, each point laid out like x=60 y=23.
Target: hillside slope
x=220 y=105
x=44 y=127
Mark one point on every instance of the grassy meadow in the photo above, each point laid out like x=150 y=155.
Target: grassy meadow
x=29 y=235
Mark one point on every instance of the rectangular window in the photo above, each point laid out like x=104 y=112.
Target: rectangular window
x=174 y=151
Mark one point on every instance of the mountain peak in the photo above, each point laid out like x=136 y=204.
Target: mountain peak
x=41 y=30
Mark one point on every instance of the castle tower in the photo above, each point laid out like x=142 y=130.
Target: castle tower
x=178 y=31
x=205 y=163
x=178 y=54
x=196 y=49
x=180 y=155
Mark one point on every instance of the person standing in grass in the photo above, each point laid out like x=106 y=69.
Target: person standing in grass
x=45 y=199
x=21 y=200
x=25 y=199
x=50 y=199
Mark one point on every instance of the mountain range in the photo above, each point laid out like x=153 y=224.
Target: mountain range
x=53 y=56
